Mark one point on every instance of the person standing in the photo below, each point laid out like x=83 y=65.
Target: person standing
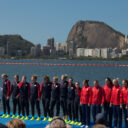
x=35 y=97
x=125 y=97
x=15 y=97
x=116 y=103
x=55 y=98
x=77 y=106
x=63 y=95
x=46 y=87
x=6 y=95
x=85 y=100
x=70 y=104
x=24 y=96
x=97 y=99
x=107 y=109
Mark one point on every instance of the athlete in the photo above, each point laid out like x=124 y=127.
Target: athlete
x=63 y=95
x=77 y=106
x=116 y=103
x=85 y=100
x=35 y=97
x=15 y=97
x=107 y=109
x=71 y=98
x=55 y=97
x=125 y=97
x=46 y=87
x=6 y=95
x=24 y=96
x=97 y=99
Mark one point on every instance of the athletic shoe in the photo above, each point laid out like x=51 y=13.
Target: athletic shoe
x=22 y=118
x=79 y=124
x=26 y=118
x=66 y=121
x=38 y=119
x=13 y=116
x=45 y=119
x=33 y=118
x=3 y=116
x=76 y=123
x=8 y=116
x=69 y=121
x=72 y=122
x=17 y=117
x=50 y=119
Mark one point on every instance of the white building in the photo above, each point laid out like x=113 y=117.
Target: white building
x=106 y=52
x=61 y=47
x=2 y=51
x=96 y=52
x=80 y=52
x=88 y=52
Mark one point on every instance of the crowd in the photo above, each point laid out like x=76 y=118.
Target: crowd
x=77 y=103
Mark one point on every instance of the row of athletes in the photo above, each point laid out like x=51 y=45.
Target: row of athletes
x=75 y=102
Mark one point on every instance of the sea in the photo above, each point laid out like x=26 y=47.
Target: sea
x=78 y=73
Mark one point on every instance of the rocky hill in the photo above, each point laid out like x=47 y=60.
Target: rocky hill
x=16 y=42
x=92 y=34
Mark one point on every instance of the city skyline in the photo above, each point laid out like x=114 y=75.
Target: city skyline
x=37 y=21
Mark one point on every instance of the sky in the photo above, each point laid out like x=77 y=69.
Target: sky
x=37 y=20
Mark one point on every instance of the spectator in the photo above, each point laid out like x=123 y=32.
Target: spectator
x=58 y=122
x=16 y=123
x=100 y=119
x=99 y=126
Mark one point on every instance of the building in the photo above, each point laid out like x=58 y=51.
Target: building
x=46 y=50
x=106 y=52
x=50 y=43
x=2 y=50
x=88 y=52
x=61 y=49
x=36 y=50
x=126 y=39
x=96 y=52
x=71 y=47
x=80 y=52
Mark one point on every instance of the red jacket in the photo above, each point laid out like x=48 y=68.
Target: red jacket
x=107 y=92
x=116 y=97
x=86 y=95
x=125 y=94
x=97 y=95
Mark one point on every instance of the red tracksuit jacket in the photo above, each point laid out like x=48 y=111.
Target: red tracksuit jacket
x=86 y=95
x=107 y=93
x=125 y=95
x=116 y=97
x=97 y=95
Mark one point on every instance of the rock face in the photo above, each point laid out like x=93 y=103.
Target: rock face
x=92 y=34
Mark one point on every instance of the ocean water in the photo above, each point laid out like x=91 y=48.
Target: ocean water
x=79 y=73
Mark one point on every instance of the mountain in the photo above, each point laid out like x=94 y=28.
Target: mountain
x=94 y=34
x=15 y=42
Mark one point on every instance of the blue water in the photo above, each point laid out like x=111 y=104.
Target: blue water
x=79 y=73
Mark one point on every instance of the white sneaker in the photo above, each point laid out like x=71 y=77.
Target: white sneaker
x=82 y=126
x=86 y=126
